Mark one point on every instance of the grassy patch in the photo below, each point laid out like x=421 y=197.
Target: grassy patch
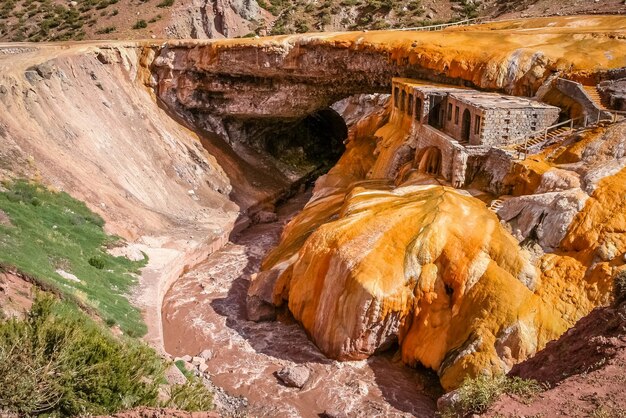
x=478 y=394
x=59 y=362
x=53 y=232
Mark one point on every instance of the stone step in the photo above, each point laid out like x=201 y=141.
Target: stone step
x=596 y=97
x=495 y=205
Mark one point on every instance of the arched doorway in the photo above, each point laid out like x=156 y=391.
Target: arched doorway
x=429 y=161
x=465 y=126
x=435 y=116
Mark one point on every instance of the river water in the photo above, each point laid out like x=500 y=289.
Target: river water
x=205 y=309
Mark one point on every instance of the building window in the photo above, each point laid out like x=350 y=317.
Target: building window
x=410 y=107
x=396 y=92
x=403 y=100
x=456 y=115
x=477 y=125
x=449 y=111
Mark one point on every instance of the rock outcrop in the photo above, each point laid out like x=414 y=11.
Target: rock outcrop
x=201 y=19
x=392 y=255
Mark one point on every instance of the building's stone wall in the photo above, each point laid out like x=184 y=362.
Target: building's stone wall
x=510 y=126
x=427 y=136
x=468 y=125
x=453 y=120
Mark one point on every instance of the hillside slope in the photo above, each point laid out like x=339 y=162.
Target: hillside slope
x=59 y=20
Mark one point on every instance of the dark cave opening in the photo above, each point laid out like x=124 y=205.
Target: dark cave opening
x=315 y=142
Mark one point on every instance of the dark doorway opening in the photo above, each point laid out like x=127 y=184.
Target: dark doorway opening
x=465 y=126
x=435 y=116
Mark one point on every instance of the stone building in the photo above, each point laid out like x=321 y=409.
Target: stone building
x=451 y=124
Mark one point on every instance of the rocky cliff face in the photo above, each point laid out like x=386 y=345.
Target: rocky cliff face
x=215 y=19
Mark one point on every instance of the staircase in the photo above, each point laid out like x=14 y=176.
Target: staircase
x=495 y=205
x=552 y=134
x=594 y=95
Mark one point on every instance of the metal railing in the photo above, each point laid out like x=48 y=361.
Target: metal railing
x=442 y=26
x=570 y=123
x=616 y=116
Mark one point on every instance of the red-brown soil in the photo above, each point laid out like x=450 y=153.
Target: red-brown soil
x=585 y=371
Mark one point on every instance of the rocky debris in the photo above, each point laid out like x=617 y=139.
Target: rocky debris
x=174 y=376
x=264 y=217
x=131 y=252
x=260 y=301
x=4 y=219
x=40 y=72
x=294 y=376
x=206 y=354
x=449 y=401
x=68 y=276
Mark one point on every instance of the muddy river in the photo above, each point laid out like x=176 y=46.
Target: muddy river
x=205 y=309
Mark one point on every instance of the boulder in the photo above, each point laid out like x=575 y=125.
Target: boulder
x=206 y=354
x=293 y=376
x=449 y=404
x=264 y=217
x=174 y=376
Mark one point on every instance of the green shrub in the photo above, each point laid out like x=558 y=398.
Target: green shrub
x=478 y=394
x=140 y=24
x=105 y=30
x=96 y=262
x=59 y=362
x=191 y=396
x=166 y=3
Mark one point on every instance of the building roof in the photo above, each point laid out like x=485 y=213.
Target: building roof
x=429 y=86
x=475 y=98
x=499 y=101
